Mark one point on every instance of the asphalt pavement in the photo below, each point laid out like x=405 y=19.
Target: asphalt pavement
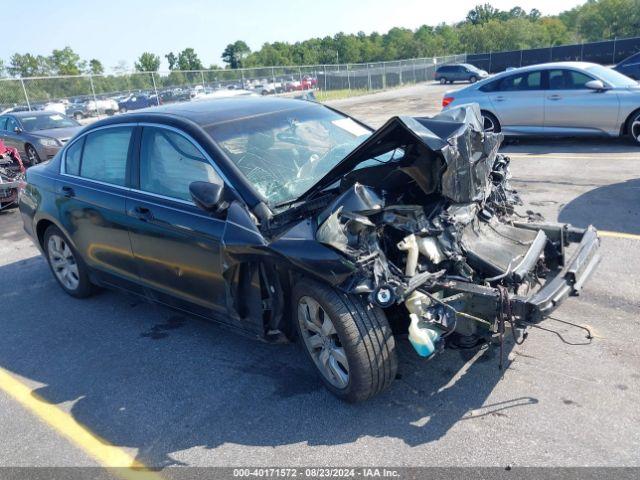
x=171 y=390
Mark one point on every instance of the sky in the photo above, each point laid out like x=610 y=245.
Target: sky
x=116 y=30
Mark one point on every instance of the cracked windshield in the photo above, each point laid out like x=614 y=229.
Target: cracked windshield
x=284 y=153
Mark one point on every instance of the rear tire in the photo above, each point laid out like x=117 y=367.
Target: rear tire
x=443 y=81
x=348 y=340
x=633 y=127
x=490 y=123
x=473 y=79
x=66 y=265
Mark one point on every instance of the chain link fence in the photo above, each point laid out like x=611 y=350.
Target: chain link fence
x=92 y=96
x=608 y=52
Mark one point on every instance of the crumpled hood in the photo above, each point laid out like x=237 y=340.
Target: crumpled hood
x=455 y=136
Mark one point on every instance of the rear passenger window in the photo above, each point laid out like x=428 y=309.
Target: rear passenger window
x=521 y=82
x=169 y=163
x=105 y=155
x=72 y=158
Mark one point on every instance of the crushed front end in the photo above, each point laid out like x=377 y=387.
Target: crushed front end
x=423 y=214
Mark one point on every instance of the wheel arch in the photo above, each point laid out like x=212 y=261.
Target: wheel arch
x=624 y=128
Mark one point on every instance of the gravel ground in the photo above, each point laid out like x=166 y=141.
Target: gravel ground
x=173 y=390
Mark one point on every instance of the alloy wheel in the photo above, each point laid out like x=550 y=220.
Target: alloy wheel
x=63 y=263
x=32 y=155
x=488 y=124
x=322 y=342
x=635 y=129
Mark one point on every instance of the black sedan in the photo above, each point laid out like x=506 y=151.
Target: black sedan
x=284 y=218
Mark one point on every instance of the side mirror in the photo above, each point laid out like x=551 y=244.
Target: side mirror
x=208 y=196
x=595 y=85
x=18 y=130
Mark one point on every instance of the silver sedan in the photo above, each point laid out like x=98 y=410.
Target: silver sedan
x=558 y=99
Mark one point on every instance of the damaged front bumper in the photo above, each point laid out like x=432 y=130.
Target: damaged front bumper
x=566 y=281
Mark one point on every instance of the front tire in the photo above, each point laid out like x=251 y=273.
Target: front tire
x=32 y=155
x=348 y=340
x=443 y=81
x=634 y=127
x=66 y=265
x=473 y=79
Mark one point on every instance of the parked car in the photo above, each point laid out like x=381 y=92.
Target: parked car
x=102 y=106
x=39 y=135
x=286 y=219
x=136 y=102
x=462 y=72
x=78 y=110
x=630 y=66
x=559 y=99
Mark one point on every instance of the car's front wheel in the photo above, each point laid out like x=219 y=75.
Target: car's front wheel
x=634 y=127
x=32 y=155
x=443 y=81
x=67 y=267
x=348 y=340
x=473 y=79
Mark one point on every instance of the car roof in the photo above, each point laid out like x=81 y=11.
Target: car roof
x=547 y=66
x=33 y=113
x=209 y=112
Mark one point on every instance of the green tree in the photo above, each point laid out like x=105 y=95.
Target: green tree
x=148 y=62
x=95 y=67
x=235 y=53
x=28 y=65
x=172 y=59
x=188 y=60
x=66 y=62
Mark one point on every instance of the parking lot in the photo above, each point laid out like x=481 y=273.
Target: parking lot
x=170 y=390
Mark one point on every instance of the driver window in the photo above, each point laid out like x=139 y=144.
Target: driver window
x=567 y=80
x=3 y=123
x=169 y=163
x=11 y=125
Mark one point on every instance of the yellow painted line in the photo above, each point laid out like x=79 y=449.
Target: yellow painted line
x=108 y=455
x=560 y=156
x=630 y=236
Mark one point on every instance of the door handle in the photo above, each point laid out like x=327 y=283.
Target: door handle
x=554 y=97
x=68 y=192
x=499 y=98
x=143 y=214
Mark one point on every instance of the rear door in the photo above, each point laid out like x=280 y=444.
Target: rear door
x=175 y=244
x=91 y=204
x=518 y=101
x=571 y=107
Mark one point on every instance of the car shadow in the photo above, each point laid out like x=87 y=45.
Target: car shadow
x=536 y=146
x=145 y=377
x=613 y=207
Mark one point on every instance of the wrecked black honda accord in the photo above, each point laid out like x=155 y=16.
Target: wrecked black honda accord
x=286 y=219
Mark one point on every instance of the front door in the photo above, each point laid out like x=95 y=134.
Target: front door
x=571 y=107
x=175 y=244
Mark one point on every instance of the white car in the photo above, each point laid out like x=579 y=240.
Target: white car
x=556 y=99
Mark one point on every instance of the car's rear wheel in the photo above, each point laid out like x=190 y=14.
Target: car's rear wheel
x=78 y=116
x=490 y=123
x=67 y=267
x=32 y=155
x=634 y=127
x=473 y=79
x=443 y=81
x=348 y=340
